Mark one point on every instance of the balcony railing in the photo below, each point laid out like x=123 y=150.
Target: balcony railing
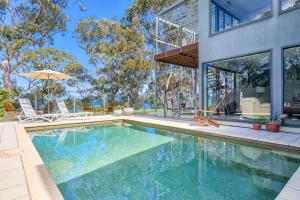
x=177 y=26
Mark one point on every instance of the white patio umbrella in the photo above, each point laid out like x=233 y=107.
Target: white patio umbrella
x=46 y=74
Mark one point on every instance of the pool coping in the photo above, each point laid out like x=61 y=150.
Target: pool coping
x=42 y=186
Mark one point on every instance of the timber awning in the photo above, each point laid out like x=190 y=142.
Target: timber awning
x=186 y=56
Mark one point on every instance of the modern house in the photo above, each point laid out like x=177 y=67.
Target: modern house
x=245 y=54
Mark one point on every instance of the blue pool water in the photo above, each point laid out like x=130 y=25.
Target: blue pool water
x=117 y=161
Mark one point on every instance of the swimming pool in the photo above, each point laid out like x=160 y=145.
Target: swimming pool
x=135 y=162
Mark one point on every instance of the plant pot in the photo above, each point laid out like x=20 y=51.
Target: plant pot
x=128 y=111
x=256 y=127
x=118 y=112
x=273 y=127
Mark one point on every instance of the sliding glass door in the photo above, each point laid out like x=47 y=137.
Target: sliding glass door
x=239 y=88
x=291 y=84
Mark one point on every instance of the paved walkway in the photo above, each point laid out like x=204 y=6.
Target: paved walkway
x=23 y=174
x=280 y=139
x=13 y=184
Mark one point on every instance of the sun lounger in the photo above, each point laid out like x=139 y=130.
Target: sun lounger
x=65 y=114
x=29 y=114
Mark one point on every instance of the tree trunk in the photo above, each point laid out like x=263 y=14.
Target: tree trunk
x=6 y=74
x=166 y=91
x=165 y=103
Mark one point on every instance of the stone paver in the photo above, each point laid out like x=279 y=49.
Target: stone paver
x=8 y=139
x=13 y=182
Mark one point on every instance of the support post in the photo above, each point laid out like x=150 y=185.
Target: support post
x=35 y=102
x=104 y=104
x=74 y=105
x=180 y=37
x=179 y=90
x=155 y=66
x=195 y=91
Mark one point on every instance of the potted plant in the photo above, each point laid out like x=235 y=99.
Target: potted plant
x=275 y=122
x=257 y=124
x=118 y=110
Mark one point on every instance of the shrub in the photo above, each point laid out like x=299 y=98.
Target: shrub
x=5 y=97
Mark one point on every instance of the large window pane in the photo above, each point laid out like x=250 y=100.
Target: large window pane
x=230 y=13
x=241 y=86
x=289 y=4
x=291 y=84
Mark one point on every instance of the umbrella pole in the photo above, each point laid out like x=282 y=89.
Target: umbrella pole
x=48 y=96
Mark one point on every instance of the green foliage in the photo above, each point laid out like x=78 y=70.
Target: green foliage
x=5 y=97
x=118 y=107
x=119 y=54
x=292 y=64
x=54 y=59
x=170 y=79
x=260 y=120
x=27 y=25
x=98 y=109
x=275 y=119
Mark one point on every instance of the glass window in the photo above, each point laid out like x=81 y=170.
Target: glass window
x=230 y=13
x=213 y=16
x=228 y=21
x=289 y=4
x=221 y=20
x=291 y=82
x=240 y=87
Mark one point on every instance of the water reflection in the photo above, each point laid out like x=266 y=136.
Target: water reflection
x=131 y=162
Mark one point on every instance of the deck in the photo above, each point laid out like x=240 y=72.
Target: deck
x=186 y=56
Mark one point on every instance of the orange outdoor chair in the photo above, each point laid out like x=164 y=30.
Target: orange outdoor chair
x=11 y=110
x=202 y=120
x=86 y=107
x=208 y=120
x=51 y=107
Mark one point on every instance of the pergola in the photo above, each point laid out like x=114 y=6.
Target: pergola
x=176 y=38
x=186 y=56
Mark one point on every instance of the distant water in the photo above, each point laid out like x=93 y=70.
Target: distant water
x=131 y=162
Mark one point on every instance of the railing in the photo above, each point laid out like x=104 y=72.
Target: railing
x=177 y=26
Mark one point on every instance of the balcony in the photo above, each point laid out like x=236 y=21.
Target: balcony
x=176 y=40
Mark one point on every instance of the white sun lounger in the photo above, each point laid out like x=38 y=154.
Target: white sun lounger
x=65 y=114
x=29 y=113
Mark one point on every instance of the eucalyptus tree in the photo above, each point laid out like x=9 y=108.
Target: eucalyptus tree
x=54 y=59
x=27 y=24
x=169 y=79
x=119 y=54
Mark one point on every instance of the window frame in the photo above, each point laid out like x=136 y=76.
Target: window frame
x=204 y=93
x=237 y=26
x=281 y=12
x=282 y=81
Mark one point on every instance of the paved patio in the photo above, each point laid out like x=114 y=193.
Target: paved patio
x=23 y=174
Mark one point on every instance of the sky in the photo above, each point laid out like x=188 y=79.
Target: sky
x=98 y=8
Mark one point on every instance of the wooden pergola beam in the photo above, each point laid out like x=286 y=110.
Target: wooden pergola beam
x=186 y=56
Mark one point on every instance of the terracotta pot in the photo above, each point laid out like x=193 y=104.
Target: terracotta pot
x=256 y=127
x=273 y=127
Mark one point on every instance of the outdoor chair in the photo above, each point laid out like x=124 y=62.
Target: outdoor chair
x=202 y=120
x=11 y=111
x=29 y=114
x=86 y=107
x=65 y=114
x=50 y=106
